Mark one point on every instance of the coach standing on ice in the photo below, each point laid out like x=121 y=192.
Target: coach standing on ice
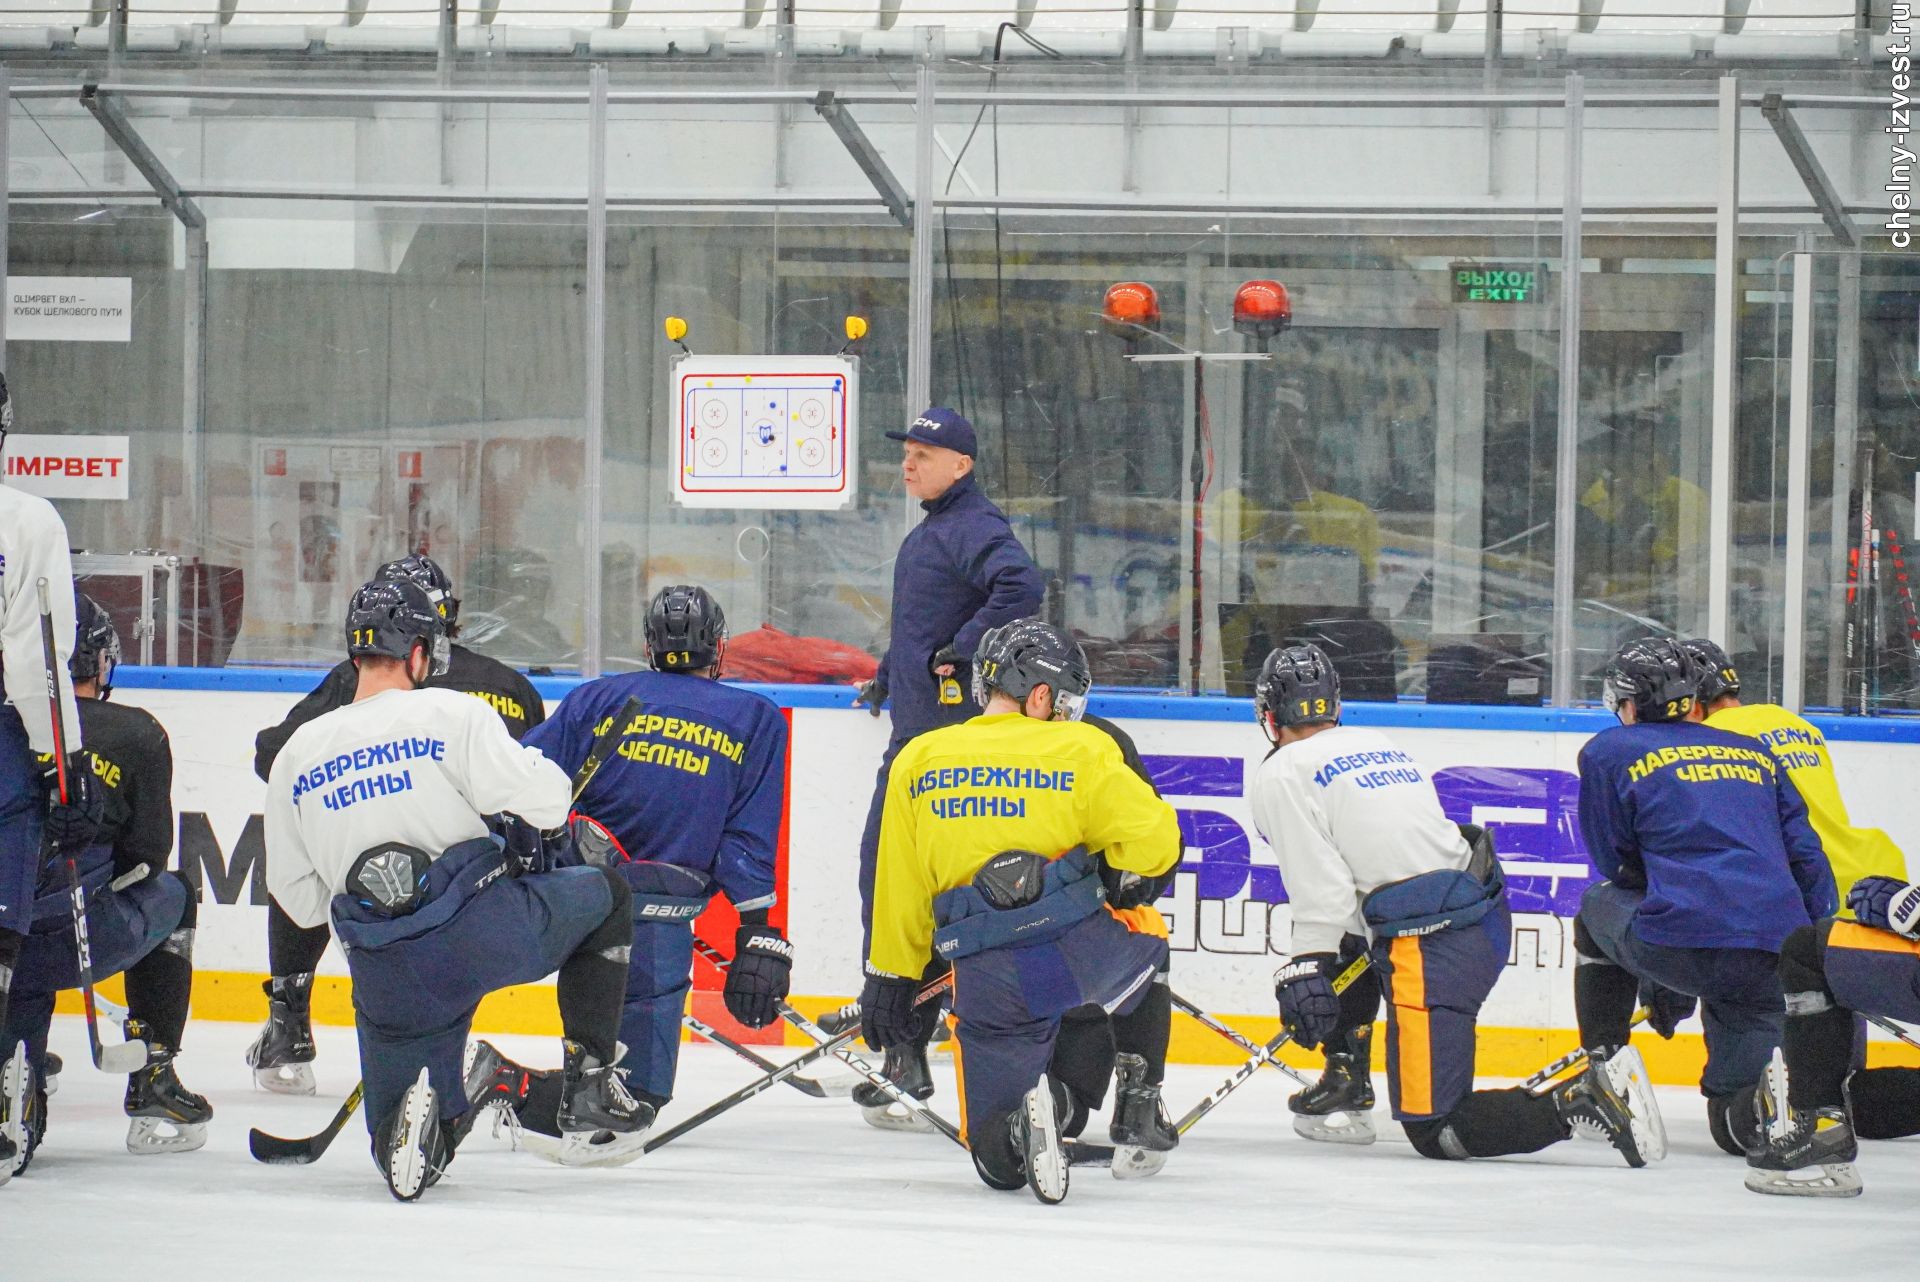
x=959 y=572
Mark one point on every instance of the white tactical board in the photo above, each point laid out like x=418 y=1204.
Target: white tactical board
x=765 y=431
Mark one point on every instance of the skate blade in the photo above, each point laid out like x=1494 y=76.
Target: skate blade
x=1047 y=1170
x=14 y=1083
x=1345 y=1127
x=1628 y=1073
x=1131 y=1162
x=893 y=1116
x=286 y=1079
x=581 y=1151
x=150 y=1135
x=1833 y=1179
x=407 y=1158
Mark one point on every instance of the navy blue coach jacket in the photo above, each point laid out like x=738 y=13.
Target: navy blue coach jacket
x=959 y=572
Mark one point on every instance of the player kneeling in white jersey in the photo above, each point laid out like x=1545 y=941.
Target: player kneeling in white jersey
x=1372 y=865
x=377 y=814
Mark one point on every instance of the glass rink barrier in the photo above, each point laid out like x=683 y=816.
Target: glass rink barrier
x=344 y=285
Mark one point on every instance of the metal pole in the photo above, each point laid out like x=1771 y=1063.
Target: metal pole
x=1726 y=369
x=1799 y=437
x=1566 y=465
x=920 y=263
x=6 y=208
x=193 y=399
x=1846 y=440
x=594 y=444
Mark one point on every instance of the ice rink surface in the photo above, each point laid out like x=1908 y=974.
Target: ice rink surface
x=787 y=1187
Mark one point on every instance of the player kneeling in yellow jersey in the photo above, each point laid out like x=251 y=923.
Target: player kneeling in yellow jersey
x=1799 y=746
x=999 y=841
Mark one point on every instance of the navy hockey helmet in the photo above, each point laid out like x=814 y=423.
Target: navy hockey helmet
x=388 y=617
x=1718 y=677
x=1659 y=676
x=434 y=581
x=686 y=629
x=96 y=644
x=1298 y=686
x=1016 y=657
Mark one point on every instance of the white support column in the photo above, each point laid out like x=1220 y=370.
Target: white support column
x=594 y=436
x=1799 y=439
x=1726 y=369
x=1566 y=454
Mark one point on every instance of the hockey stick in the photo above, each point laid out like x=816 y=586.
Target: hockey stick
x=805 y=1085
x=1542 y=1076
x=275 y=1151
x=127 y=1057
x=602 y=746
x=786 y=1070
x=1262 y=1055
x=913 y=1106
x=1239 y=1039
x=1895 y=1029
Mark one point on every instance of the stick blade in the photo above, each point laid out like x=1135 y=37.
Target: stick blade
x=275 y=1151
x=123 y=1058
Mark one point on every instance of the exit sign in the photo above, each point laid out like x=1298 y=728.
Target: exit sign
x=1485 y=283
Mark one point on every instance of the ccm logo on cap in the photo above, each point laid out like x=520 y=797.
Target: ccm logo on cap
x=927 y=423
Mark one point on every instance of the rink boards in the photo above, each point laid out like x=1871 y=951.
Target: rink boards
x=1510 y=769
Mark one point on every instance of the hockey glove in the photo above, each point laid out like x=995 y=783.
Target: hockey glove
x=1888 y=903
x=760 y=974
x=1309 y=1008
x=1665 y=1007
x=1131 y=889
x=74 y=824
x=886 y=1010
x=947 y=657
x=872 y=693
x=526 y=849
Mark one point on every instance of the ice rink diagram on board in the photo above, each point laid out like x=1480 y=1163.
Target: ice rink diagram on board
x=765 y=431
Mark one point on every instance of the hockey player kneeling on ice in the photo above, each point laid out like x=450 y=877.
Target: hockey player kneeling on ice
x=1710 y=864
x=1373 y=866
x=689 y=798
x=1831 y=971
x=33 y=813
x=984 y=860
x=282 y=1056
x=140 y=917
x=376 y=814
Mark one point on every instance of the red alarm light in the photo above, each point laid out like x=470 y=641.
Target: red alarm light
x=1262 y=309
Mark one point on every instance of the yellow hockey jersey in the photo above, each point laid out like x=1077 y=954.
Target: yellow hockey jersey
x=959 y=795
x=1802 y=749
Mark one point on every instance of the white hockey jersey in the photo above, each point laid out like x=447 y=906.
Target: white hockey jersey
x=413 y=766
x=33 y=545
x=1346 y=812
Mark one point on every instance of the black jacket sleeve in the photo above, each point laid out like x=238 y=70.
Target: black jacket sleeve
x=336 y=691
x=530 y=700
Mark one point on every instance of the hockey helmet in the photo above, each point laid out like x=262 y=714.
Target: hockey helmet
x=1298 y=686
x=1659 y=676
x=96 y=644
x=1016 y=657
x=434 y=581
x=686 y=629
x=1718 y=677
x=388 y=617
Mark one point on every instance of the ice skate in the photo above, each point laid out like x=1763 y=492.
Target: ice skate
x=1338 y=1109
x=1141 y=1131
x=1036 y=1138
x=282 y=1055
x=906 y=1067
x=165 y=1117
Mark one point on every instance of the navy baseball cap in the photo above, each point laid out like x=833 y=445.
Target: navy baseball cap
x=940 y=426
